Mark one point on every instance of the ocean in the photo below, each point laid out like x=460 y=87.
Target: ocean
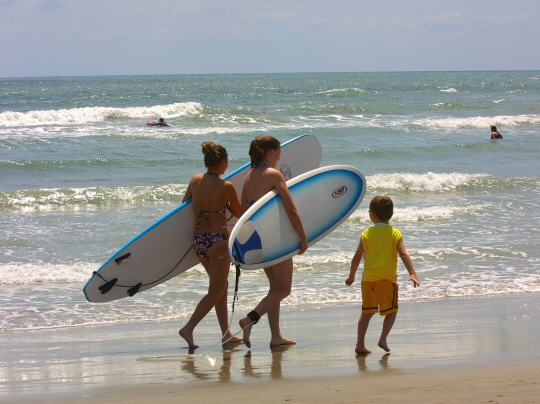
x=81 y=174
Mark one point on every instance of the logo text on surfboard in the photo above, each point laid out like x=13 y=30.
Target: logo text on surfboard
x=340 y=191
x=286 y=171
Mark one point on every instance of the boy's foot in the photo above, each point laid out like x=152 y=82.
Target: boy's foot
x=383 y=345
x=246 y=324
x=362 y=351
x=188 y=336
x=281 y=341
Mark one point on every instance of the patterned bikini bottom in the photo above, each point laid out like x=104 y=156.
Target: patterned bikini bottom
x=204 y=241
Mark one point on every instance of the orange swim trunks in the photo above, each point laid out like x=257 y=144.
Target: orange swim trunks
x=380 y=297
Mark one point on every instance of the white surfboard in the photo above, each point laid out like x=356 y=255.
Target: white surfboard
x=165 y=249
x=325 y=197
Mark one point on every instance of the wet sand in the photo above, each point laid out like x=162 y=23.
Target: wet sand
x=469 y=349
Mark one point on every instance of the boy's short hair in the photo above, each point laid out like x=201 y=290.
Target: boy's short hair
x=382 y=206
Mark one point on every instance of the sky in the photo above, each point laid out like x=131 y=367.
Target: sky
x=126 y=37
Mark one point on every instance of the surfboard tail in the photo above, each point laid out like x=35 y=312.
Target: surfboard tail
x=248 y=245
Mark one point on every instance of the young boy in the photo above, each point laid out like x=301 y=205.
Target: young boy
x=380 y=245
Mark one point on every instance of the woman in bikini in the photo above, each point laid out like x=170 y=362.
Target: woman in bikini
x=212 y=196
x=265 y=152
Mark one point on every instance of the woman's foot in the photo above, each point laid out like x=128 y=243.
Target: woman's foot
x=362 y=350
x=188 y=336
x=384 y=345
x=231 y=339
x=281 y=340
x=245 y=324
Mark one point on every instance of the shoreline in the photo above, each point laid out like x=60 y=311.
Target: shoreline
x=456 y=339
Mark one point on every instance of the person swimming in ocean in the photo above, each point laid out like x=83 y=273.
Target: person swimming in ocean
x=495 y=134
x=159 y=123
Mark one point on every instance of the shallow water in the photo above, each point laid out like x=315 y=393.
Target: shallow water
x=81 y=174
x=428 y=335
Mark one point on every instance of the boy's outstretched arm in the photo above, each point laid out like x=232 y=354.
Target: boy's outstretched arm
x=404 y=255
x=355 y=263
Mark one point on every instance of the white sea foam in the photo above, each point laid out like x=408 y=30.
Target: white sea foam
x=421 y=214
x=92 y=197
x=430 y=182
x=39 y=273
x=74 y=122
x=343 y=90
x=87 y=115
x=50 y=296
x=48 y=199
x=477 y=121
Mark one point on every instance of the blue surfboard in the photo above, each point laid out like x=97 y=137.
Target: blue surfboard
x=324 y=198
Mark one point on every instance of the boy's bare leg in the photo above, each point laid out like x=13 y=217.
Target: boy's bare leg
x=388 y=323
x=363 y=324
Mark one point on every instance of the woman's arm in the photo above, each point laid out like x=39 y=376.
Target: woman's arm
x=188 y=194
x=281 y=186
x=234 y=203
x=243 y=201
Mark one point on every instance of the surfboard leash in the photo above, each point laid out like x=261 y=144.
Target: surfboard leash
x=237 y=281
x=108 y=285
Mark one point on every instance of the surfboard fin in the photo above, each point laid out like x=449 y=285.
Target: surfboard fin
x=134 y=289
x=122 y=259
x=107 y=286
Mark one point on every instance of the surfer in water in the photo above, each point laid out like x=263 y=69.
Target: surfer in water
x=212 y=196
x=263 y=178
x=160 y=123
x=495 y=133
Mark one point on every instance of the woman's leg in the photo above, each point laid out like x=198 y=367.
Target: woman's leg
x=219 y=255
x=218 y=272
x=279 y=283
x=280 y=278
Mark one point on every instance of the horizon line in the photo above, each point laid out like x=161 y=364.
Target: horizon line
x=269 y=73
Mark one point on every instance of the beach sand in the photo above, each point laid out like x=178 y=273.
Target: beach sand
x=481 y=349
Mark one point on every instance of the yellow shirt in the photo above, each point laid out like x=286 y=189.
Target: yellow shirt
x=380 y=253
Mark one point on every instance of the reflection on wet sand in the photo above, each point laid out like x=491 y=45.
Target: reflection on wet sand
x=188 y=365
x=277 y=359
x=361 y=360
x=203 y=368
x=249 y=370
x=196 y=366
